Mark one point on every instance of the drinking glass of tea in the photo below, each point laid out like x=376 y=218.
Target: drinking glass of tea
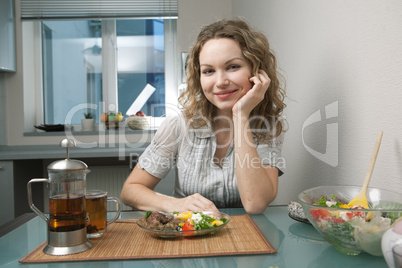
x=97 y=212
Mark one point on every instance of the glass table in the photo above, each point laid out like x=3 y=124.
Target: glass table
x=298 y=245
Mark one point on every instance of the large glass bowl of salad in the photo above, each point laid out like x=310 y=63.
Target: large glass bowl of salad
x=351 y=230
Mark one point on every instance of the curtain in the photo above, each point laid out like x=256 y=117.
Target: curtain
x=97 y=9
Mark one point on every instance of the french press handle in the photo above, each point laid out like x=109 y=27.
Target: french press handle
x=31 y=204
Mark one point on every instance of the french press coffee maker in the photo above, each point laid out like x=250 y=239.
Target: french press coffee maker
x=67 y=231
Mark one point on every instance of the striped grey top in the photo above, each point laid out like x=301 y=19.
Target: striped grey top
x=191 y=152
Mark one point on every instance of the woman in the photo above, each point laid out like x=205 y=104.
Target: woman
x=226 y=143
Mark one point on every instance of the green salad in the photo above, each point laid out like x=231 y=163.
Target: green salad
x=351 y=228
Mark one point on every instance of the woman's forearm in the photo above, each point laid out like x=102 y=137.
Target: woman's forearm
x=141 y=197
x=257 y=183
x=138 y=192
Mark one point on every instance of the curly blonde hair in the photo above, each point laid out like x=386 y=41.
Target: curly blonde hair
x=256 y=50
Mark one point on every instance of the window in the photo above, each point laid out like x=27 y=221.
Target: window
x=141 y=61
x=103 y=65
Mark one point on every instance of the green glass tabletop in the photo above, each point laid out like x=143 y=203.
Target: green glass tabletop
x=298 y=245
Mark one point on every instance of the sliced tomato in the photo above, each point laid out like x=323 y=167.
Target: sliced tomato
x=188 y=226
x=336 y=220
x=360 y=214
x=319 y=214
x=322 y=214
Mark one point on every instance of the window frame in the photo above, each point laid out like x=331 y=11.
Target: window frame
x=109 y=66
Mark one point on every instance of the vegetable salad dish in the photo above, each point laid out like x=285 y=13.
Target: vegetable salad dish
x=352 y=227
x=184 y=221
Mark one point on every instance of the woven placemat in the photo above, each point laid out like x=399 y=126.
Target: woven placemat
x=125 y=240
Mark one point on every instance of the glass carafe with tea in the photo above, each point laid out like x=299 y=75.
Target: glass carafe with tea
x=67 y=233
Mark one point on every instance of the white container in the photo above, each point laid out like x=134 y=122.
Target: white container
x=391 y=238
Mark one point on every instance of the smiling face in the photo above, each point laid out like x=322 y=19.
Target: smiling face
x=225 y=73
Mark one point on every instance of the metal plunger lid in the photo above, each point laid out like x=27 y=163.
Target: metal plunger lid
x=67 y=165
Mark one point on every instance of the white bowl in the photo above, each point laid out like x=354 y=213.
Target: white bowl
x=139 y=122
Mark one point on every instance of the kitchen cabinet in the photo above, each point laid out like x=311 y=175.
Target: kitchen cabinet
x=6 y=191
x=7 y=36
x=14 y=177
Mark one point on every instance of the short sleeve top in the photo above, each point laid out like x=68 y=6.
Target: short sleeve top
x=191 y=152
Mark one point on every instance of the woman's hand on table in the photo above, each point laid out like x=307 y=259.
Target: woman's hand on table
x=195 y=202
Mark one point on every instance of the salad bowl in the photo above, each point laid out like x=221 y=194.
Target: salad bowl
x=351 y=230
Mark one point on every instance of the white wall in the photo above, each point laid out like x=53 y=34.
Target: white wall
x=344 y=53
x=194 y=14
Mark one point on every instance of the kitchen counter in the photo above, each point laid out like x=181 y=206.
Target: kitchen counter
x=57 y=152
x=297 y=244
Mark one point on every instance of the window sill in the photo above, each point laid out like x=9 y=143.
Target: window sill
x=100 y=129
x=104 y=132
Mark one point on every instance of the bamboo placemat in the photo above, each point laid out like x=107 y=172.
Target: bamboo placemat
x=125 y=240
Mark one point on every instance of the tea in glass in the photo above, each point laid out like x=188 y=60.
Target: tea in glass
x=96 y=208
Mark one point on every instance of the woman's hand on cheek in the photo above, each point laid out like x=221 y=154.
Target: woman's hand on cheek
x=255 y=95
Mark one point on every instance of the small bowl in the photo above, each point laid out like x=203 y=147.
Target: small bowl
x=352 y=231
